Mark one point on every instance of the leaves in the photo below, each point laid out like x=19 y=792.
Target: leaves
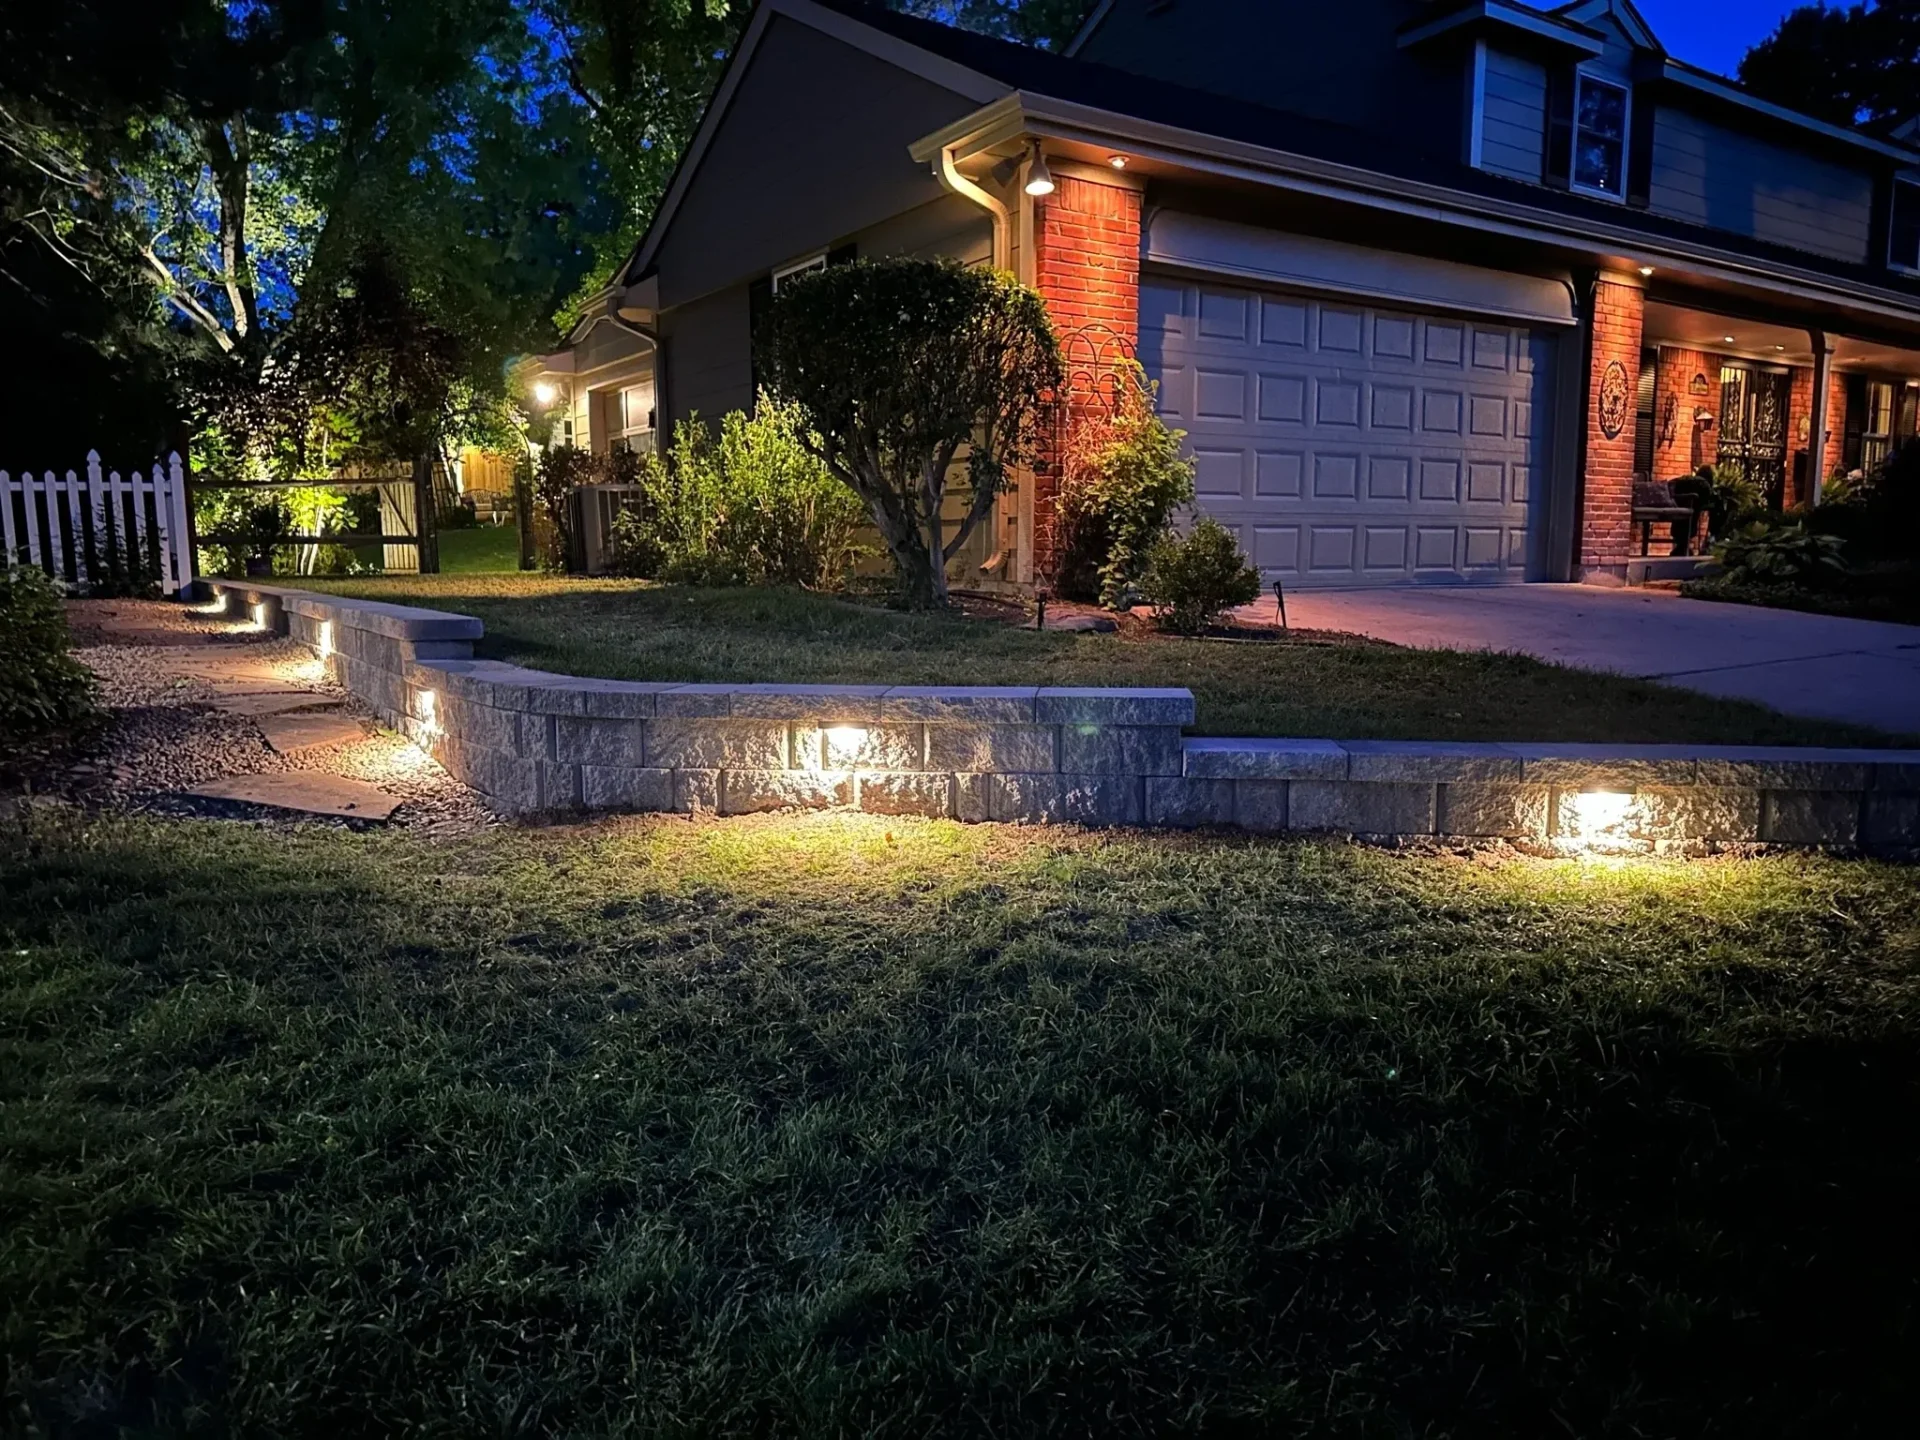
x=898 y=364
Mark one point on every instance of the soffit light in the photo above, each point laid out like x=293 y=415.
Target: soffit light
x=1039 y=178
x=1726 y=339
x=1646 y=269
x=1118 y=162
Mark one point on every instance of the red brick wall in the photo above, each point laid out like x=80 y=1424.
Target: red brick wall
x=1607 y=490
x=1688 y=448
x=1800 y=412
x=1087 y=268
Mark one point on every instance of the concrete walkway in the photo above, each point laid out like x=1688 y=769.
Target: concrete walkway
x=1863 y=671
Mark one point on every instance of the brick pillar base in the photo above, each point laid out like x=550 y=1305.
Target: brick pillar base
x=1613 y=380
x=1087 y=269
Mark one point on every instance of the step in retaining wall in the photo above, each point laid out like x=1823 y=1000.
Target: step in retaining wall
x=534 y=742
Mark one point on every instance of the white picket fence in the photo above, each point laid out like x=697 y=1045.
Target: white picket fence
x=95 y=529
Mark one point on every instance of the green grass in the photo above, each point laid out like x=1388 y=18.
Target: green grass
x=481 y=550
x=629 y=630
x=836 y=1126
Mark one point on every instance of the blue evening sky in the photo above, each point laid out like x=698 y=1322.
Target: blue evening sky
x=1713 y=33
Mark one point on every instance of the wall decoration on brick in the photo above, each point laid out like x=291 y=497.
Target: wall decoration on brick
x=1615 y=396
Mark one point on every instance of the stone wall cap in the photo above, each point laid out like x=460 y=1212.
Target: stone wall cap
x=807 y=702
x=1010 y=704
x=1261 y=758
x=1100 y=705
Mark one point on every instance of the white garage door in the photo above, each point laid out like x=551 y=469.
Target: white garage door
x=1348 y=444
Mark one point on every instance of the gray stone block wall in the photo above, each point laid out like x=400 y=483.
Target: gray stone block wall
x=534 y=742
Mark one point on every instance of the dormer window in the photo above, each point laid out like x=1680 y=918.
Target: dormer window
x=1599 y=137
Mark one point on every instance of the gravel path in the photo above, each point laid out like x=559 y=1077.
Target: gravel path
x=161 y=735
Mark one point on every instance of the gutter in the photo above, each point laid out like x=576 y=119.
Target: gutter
x=949 y=175
x=1069 y=121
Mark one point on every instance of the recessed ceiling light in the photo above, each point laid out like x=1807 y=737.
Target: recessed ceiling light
x=1118 y=162
x=1727 y=339
x=1646 y=269
x=1779 y=347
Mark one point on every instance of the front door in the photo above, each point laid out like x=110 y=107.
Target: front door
x=1753 y=427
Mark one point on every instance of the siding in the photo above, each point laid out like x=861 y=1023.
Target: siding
x=709 y=358
x=812 y=149
x=1513 y=127
x=951 y=226
x=1710 y=175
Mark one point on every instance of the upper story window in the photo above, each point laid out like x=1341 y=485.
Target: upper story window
x=1903 y=240
x=1599 y=137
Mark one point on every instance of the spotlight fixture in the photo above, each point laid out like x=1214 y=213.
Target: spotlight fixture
x=1118 y=162
x=544 y=393
x=1039 y=178
x=1726 y=339
x=1646 y=269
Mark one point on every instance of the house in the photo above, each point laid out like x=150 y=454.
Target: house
x=1428 y=282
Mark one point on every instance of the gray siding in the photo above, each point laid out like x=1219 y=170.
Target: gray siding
x=1714 y=176
x=709 y=357
x=1513 y=127
x=951 y=226
x=812 y=149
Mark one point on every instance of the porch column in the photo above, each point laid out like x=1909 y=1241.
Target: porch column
x=1612 y=382
x=1817 y=430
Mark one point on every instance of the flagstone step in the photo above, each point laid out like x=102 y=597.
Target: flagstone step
x=310 y=729
x=305 y=792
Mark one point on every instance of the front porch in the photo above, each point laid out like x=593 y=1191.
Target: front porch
x=1709 y=384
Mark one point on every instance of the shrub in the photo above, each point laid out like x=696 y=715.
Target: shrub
x=42 y=687
x=899 y=365
x=1730 y=498
x=560 y=470
x=757 y=507
x=1124 y=478
x=239 y=530
x=1782 y=552
x=1190 y=580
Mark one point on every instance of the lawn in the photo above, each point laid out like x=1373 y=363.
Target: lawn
x=832 y=1125
x=1362 y=690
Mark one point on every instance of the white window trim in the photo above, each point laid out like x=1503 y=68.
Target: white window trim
x=1581 y=77
x=1905 y=267
x=799 y=267
x=635 y=432
x=1477 y=106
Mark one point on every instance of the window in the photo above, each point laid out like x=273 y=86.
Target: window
x=804 y=267
x=1903 y=242
x=1599 y=137
x=630 y=418
x=1876 y=433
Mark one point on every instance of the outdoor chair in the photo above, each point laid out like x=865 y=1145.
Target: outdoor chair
x=1655 y=503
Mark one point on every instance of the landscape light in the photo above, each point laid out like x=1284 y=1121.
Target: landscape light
x=260 y=615
x=1039 y=178
x=426 y=705
x=844 y=743
x=325 y=645
x=1596 y=818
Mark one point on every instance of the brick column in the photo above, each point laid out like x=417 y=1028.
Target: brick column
x=1087 y=268
x=1613 y=378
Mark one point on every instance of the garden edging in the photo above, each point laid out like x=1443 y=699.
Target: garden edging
x=535 y=742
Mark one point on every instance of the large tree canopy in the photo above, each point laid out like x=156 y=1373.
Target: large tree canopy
x=1851 y=65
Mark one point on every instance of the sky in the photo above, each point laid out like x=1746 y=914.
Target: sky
x=1713 y=33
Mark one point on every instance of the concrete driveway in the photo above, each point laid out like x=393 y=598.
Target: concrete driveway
x=1863 y=671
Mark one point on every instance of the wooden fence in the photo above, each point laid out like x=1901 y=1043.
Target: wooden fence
x=97 y=530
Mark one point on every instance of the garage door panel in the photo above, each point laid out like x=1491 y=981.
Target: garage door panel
x=1349 y=444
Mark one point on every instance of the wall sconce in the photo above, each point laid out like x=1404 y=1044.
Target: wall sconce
x=1039 y=177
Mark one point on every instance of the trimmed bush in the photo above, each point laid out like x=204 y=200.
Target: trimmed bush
x=42 y=687
x=1783 y=552
x=1192 y=579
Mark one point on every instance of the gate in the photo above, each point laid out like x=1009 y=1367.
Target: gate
x=97 y=529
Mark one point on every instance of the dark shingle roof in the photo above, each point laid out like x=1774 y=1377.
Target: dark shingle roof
x=1142 y=97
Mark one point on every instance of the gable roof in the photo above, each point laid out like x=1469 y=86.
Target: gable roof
x=991 y=70
x=1623 y=14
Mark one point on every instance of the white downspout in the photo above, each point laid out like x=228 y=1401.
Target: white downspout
x=959 y=184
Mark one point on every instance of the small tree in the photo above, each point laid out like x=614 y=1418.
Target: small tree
x=897 y=365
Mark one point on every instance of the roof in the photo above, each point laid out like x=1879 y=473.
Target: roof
x=1085 y=82
x=1018 y=68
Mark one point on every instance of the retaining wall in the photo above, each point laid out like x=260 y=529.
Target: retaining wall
x=535 y=742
